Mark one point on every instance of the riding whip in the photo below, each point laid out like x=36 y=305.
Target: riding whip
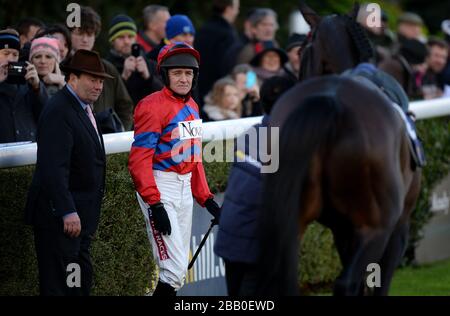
x=201 y=245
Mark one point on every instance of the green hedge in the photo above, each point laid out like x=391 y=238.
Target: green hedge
x=436 y=138
x=121 y=253
x=120 y=250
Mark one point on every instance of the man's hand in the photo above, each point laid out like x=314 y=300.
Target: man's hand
x=161 y=219
x=141 y=67
x=3 y=71
x=72 y=225
x=129 y=66
x=214 y=209
x=254 y=93
x=32 y=76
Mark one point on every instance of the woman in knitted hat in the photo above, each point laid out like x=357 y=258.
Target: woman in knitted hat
x=44 y=54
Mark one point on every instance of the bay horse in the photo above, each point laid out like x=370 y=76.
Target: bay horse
x=344 y=161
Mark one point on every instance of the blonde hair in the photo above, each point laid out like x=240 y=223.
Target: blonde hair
x=216 y=95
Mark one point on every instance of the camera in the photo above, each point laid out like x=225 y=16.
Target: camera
x=136 y=50
x=16 y=72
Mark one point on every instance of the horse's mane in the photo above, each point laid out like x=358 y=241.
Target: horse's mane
x=360 y=39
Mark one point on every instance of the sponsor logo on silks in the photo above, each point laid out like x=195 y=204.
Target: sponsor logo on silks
x=162 y=250
x=190 y=129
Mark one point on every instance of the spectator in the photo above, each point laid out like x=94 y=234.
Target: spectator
x=292 y=67
x=223 y=102
x=155 y=19
x=27 y=29
x=212 y=41
x=263 y=27
x=114 y=95
x=248 y=89
x=408 y=66
x=62 y=34
x=409 y=27
x=20 y=104
x=433 y=83
x=44 y=55
x=269 y=62
x=237 y=240
x=138 y=73
x=264 y=24
x=179 y=28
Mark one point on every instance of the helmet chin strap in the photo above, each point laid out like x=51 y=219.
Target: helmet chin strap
x=184 y=97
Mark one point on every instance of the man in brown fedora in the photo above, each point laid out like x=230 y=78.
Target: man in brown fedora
x=65 y=196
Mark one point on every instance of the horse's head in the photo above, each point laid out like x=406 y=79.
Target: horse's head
x=336 y=43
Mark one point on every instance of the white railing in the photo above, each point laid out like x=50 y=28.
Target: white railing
x=22 y=155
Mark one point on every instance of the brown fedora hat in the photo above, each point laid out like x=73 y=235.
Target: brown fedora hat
x=86 y=61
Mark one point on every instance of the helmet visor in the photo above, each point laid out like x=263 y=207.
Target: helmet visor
x=181 y=61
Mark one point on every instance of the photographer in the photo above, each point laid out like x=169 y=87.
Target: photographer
x=22 y=95
x=138 y=73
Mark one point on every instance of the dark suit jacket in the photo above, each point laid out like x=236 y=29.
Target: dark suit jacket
x=70 y=167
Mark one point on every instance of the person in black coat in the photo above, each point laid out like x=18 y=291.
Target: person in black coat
x=21 y=97
x=237 y=238
x=65 y=196
x=213 y=41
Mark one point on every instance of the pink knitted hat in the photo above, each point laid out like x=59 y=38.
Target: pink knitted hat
x=47 y=45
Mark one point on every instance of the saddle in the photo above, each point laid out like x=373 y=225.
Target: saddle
x=393 y=90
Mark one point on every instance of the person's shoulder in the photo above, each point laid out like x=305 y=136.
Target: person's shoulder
x=110 y=68
x=214 y=23
x=192 y=103
x=150 y=102
x=62 y=96
x=58 y=106
x=215 y=28
x=213 y=112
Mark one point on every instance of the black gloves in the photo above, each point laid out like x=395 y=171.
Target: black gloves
x=214 y=209
x=161 y=219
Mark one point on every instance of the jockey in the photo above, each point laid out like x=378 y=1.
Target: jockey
x=165 y=164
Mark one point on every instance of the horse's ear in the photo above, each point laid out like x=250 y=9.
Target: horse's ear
x=310 y=16
x=355 y=10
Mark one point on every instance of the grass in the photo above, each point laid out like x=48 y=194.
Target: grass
x=425 y=280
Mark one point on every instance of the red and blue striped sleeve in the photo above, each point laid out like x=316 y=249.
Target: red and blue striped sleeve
x=200 y=188
x=147 y=131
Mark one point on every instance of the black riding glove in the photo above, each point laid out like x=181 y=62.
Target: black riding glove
x=161 y=219
x=214 y=209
